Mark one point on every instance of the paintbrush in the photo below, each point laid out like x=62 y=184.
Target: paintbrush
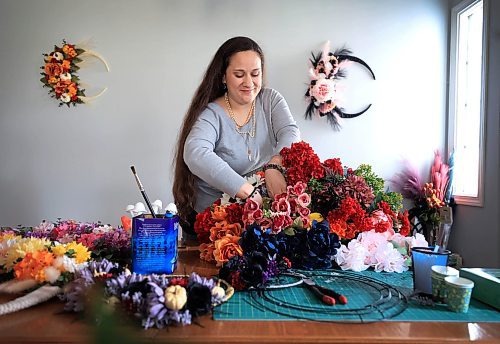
x=143 y=192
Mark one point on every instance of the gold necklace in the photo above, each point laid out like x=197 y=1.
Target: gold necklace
x=251 y=114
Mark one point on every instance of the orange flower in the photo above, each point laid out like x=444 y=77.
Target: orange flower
x=33 y=264
x=53 y=80
x=221 y=229
x=227 y=247
x=207 y=252
x=338 y=227
x=219 y=213
x=53 y=69
x=69 y=50
x=66 y=65
x=72 y=89
x=62 y=86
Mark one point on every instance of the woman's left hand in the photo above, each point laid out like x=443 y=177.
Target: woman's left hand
x=275 y=182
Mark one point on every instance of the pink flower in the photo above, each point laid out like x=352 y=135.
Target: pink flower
x=299 y=188
x=327 y=107
x=250 y=205
x=306 y=221
x=265 y=223
x=280 y=222
x=304 y=212
x=304 y=199
x=323 y=90
x=257 y=215
x=293 y=205
x=281 y=205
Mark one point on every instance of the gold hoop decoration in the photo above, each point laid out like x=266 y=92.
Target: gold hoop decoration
x=60 y=74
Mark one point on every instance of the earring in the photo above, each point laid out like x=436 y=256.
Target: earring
x=224 y=86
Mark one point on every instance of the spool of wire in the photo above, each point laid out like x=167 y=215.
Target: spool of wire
x=369 y=299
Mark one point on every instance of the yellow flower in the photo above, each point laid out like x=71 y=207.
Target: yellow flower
x=9 y=236
x=316 y=216
x=82 y=253
x=23 y=246
x=58 y=250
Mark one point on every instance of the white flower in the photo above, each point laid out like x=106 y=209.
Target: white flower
x=225 y=199
x=103 y=229
x=417 y=241
x=255 y=180
x=65 y=98
x=51 y=274
x=352 y=257
x=389 y=259
x=65 y=76
x=65 y=263
x=58 y=56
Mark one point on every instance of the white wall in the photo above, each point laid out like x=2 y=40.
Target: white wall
x=74 y=163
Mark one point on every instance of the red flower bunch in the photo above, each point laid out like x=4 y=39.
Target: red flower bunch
x=348 y=219
x=205 y=221
x=334 y=166
x=355 y=187
x=301 y=163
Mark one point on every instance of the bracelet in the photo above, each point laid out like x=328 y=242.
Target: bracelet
x=252 y=193
x=274 y=167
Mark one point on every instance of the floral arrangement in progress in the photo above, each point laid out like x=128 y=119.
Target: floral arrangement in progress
x=430 y=198
x=60 y=73
x=68 y=259
x=327 y=212
x=327 y=69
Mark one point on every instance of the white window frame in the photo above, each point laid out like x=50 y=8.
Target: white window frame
x=455 y=12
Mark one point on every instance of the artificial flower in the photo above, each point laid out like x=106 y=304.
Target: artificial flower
x=226 y=248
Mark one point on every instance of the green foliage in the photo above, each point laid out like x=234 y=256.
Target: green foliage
x=374 y=181
x=394 y=199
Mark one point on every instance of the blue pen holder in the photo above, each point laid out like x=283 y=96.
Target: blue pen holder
x=154 y=244
x=423 y=258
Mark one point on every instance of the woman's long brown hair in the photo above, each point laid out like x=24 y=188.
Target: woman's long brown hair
x=210 y=89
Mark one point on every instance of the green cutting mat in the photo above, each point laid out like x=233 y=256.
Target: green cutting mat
x=372 y=297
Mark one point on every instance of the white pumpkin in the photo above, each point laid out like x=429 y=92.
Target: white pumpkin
x=218 y=292
x=175 y=297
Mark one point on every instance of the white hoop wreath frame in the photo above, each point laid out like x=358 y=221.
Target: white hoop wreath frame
x=60 y=74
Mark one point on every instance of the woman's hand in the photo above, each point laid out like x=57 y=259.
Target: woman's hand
x=247 y=191
x=275 y=182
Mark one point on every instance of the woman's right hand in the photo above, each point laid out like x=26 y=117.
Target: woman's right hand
x=246 y=190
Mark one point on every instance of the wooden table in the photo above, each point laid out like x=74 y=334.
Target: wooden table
x=46 y=323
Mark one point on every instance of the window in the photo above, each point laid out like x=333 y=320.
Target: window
x=466 y=101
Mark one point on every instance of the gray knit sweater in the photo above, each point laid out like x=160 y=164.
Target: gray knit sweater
x=219 y=156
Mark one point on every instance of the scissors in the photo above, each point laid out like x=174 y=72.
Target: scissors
x=327 y=296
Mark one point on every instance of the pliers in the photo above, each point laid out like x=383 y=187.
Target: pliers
x=328 y=296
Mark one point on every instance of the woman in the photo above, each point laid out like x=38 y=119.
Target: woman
x=232 y=128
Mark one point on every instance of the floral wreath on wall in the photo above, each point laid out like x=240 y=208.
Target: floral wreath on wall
x=60 y=73
x=326 y=70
